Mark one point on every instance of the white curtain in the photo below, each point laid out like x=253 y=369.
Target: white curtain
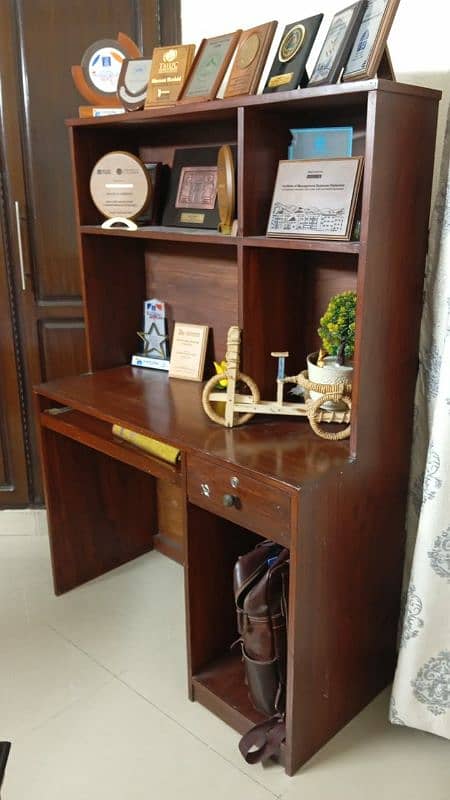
x=421 y=691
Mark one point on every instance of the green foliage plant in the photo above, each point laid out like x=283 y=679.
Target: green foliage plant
x=337 y=327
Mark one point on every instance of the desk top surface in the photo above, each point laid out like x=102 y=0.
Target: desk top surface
x=147 y=401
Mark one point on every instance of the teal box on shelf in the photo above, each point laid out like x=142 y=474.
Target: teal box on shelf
x=320 y=143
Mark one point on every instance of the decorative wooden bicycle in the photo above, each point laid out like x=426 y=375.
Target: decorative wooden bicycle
x=240 y=408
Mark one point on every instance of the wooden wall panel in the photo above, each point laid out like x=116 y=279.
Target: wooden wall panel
x=62 y=347
x=202 y=284
x=39 y=41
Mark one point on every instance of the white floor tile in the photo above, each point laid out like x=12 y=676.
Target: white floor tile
x=371 y=759
x=20 y=522
x=125 y=736
x=115 y=746
x=40 y=674
x=124 y=615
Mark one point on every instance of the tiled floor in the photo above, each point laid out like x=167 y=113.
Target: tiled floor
x=93 y=697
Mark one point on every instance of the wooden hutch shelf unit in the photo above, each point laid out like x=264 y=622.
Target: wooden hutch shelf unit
x=338 y=506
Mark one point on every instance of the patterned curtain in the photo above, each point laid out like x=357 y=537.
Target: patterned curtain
x=421 y=691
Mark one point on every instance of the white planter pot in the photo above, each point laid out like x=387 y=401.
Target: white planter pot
x=331 y=372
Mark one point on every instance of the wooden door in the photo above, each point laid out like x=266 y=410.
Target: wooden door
x=40 y=40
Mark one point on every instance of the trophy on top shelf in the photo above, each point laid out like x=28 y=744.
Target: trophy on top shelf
x=96 y=78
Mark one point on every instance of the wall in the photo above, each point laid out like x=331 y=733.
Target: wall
x=418 y=41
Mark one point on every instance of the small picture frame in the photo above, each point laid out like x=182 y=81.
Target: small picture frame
x=337 y=45
x=187 y=356
x=315 y=199
x=209 y=67
x=370 y=42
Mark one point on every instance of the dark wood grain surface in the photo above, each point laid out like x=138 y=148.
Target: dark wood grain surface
x=170 y=409
x=339 y=505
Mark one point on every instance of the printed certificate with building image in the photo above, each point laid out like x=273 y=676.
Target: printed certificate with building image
x=315 y=199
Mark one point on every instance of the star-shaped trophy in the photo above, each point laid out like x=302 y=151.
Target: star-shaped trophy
x=155 y=351
x=154 y=341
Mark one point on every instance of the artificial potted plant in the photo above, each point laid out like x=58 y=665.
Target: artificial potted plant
x=333 y=363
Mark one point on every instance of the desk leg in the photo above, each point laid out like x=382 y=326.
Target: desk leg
x=101 y=512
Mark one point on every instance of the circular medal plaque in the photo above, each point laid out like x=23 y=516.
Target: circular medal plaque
x=120 y=185
x=101 y=65
x=291 y=43
x=248 y=51
x=225 y=188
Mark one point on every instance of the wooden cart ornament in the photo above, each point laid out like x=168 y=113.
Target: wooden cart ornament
x=240 y=408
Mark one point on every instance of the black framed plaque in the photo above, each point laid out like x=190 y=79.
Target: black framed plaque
x=288 y=68
x=192 y=200
x=337 y=45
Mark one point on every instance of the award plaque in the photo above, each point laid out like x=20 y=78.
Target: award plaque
x=209 y=67
x=170 y=66
x=315 y=199
x=338 y=42
x=370 y=43
x=288 y=68
x=120 y=187
x=194 y=186
x=97 y=76
x=133 y=83
x=187 y=357
x=225 y=189
x=249 y=60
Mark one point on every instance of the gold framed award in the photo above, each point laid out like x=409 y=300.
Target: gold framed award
x=250 y=58
x=169 y=70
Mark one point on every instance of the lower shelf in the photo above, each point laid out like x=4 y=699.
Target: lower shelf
x=221 y=688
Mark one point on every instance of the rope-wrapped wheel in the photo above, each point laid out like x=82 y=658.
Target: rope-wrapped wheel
x=238 y=418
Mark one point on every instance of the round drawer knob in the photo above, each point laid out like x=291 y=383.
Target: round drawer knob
x=230 y=500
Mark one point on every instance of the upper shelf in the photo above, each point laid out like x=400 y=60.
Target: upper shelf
x=353 y=92
x=186 y=235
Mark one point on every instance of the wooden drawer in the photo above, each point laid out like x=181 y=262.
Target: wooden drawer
x=255 y=505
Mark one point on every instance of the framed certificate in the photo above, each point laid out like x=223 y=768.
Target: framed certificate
x=338 y=42
x=315 y=199
x=209 y=67
x=187 y=356
x=370 y=42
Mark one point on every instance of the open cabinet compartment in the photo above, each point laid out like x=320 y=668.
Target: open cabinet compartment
x=198 y=283
x=216 y=671
x=285 y=293
x=265 y=142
